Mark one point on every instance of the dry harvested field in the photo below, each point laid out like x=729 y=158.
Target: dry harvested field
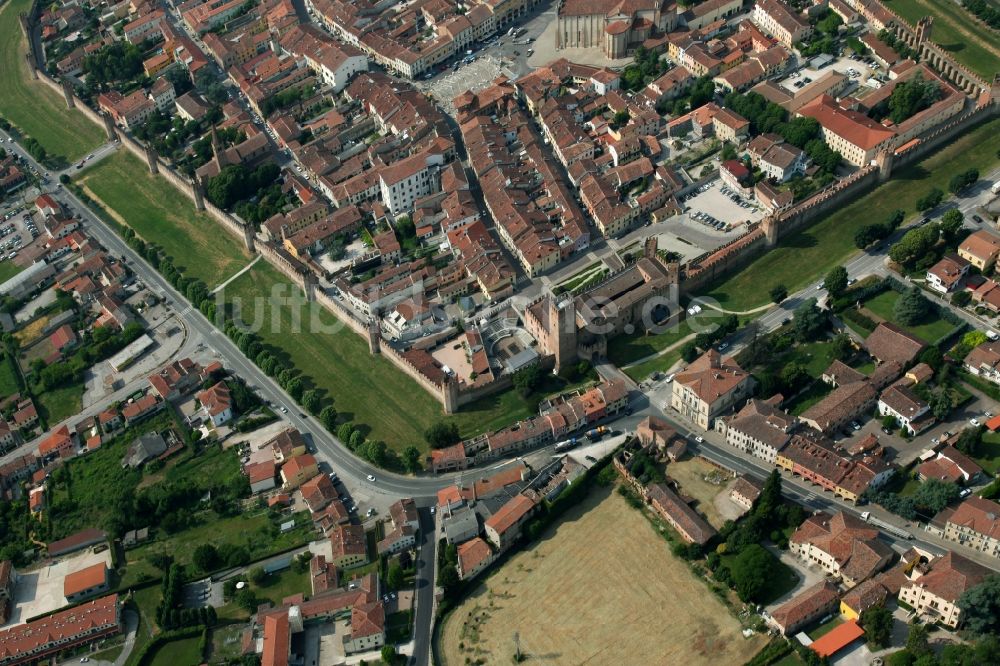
x=600 y=588
x=700 y=479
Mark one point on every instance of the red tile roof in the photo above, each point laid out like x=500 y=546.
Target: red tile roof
x=216 y=399
x=510 y=513
x=472 y=553
x=84 y=579
x=59 y=630
x=277 y=640
x=854 y=127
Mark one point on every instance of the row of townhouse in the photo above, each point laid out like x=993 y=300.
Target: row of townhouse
x=558 y=418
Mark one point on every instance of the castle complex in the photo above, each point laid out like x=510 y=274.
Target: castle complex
x=568 y=328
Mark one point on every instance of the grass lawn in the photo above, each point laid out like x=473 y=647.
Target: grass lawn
x=814 y=356
x=662 y=363
x=33 y=106
x=625 y=349
x=806 y=255
x=338 y=363
x=162 y=215
x=909 y=488
x=791 y=659
x=108 y=655
x=398 y=627
x=988 y=454
x=816 y=392
x=226 y=643
x=930 y=331
x=956 y=30
x=59 y=404
x=146 y=600
x=826 y=627
x=8 y=377
x=8 y=269
x=283 y=584
x=183 y=651
x=867 y=368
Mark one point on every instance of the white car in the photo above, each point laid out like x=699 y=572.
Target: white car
x=699 y=439
x=974 y=422
x=371 y=477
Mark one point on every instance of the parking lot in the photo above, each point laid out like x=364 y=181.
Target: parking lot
x=17 y=230
x=41 y=591
x=716 y=207
x=857 y=70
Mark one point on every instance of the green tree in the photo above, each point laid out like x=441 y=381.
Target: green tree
x=794 y=376
x=836 y=281
x=246 y=599
x=911 y=308
x=917 y=643
x=328 y=416
x=981 y=606
x=951 y=224
x=962 y=181
x=877 y=623
x=442 y=434
x=842 y=347
x=914 y=245
x=411 y=458
x=312 y=401
x=750 y=571
x=770 y=497
x=932 y=198
x=809 y=322
x=934 y=495
x=344 y=432
x=256 y=575
x=357 y=439
x=394 y=576
x=779 y=293
x=205 y=557
x=389 y=655
x=526 y=380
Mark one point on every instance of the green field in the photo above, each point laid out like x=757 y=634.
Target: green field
x=365 y=389
x=183 y=651
x=988 y=453
x=808 y=254
x=930 y=331
x=8 y=269
x=146 y=600
x=662 y=363
x=8 y=377
x=59 y=404
x=160 y=214
x=34 y=107
x=957 y=31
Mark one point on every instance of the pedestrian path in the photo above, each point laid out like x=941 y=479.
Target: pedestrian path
x=239 y=273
